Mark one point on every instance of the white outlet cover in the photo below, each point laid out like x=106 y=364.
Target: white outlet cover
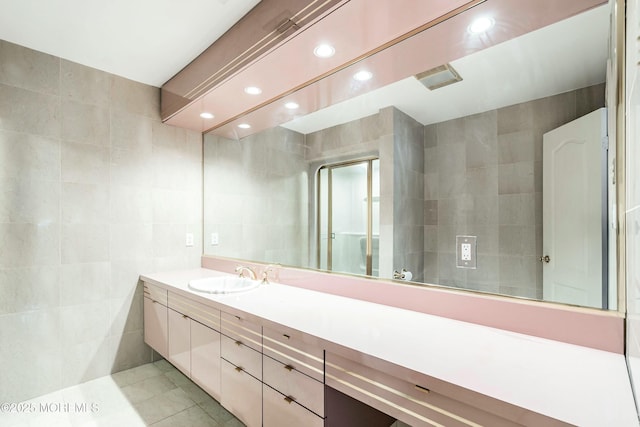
x=189 y=239
x=466 y=252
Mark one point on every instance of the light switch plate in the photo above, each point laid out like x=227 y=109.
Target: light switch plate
x=466 y=253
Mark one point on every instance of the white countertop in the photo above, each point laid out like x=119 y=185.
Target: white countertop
x=578 y=385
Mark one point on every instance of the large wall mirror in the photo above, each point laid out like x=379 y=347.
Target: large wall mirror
x=492 y=168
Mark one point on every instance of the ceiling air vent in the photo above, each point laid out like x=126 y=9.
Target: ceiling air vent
x=267 y=25
x=439 y=77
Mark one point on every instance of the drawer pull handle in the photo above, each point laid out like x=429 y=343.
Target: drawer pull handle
x=239 y=369
x=289 y=399
x=286 y=336
x=184 y=316
x=238 y=317
x=422 y=389
x=289 y=368
x=154 y=301
x=238 y=343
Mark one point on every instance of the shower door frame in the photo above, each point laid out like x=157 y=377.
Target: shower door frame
x=369 y=247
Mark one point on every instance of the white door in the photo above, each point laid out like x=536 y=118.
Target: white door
x=573 y=197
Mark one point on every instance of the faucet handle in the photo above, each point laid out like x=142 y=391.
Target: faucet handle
x=265 y=273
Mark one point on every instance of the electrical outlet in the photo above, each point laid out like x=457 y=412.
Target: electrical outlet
x=214 y=239
x=466 y=252
x=189 y=239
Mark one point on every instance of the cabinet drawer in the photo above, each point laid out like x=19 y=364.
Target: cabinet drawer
x=242 y=356
x=156 y=293
x=241 y=329
x=280 y=411
x=303 y=389
x=197 y=311
x=289 y=347
x=241 y=394
x=414 y=404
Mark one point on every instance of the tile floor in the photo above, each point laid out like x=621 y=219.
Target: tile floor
x=155 y=394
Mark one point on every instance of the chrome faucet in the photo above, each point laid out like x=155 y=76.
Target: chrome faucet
x=241 y=269
x=265 y=273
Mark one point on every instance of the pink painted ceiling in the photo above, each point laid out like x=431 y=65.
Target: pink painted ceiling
x=357 y=29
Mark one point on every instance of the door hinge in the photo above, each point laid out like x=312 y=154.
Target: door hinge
x=605 y=142
x=613 y=171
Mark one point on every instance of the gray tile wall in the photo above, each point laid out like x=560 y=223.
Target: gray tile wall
x=95 y=190
x=256 y=197
x=408 y=195
x=483 y=177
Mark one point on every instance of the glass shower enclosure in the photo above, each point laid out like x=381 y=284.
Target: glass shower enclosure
x=349 y=217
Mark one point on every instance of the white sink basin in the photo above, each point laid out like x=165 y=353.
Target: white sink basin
x=223 y=284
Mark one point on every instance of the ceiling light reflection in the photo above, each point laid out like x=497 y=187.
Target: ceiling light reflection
x=480 y=25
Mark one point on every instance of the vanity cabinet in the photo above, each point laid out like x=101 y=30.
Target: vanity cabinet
x=420 y=401
x=194 y=341
x=248 y=351
x=241 y=379
x=155 y=318
x=293 y=377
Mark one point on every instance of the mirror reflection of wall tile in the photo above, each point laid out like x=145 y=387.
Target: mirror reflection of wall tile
x=480 y=140
x=516 y=147
x=479 y=175
x=489 y=185
x=257 y=192
x=431 y=212
x=408 y=194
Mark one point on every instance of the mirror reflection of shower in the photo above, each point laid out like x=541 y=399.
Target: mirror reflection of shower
x=349 y=217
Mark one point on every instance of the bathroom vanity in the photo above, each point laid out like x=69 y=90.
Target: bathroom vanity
x=277 y=355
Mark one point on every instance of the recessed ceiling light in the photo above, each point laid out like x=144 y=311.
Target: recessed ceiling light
x=362 y=76
x=244 y=125
x=291 y=105
x=253 y=90
x=324 y=51
x=206 y=115
x=480 y=25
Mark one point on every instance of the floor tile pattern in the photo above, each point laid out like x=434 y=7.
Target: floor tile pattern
x=155 y=394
